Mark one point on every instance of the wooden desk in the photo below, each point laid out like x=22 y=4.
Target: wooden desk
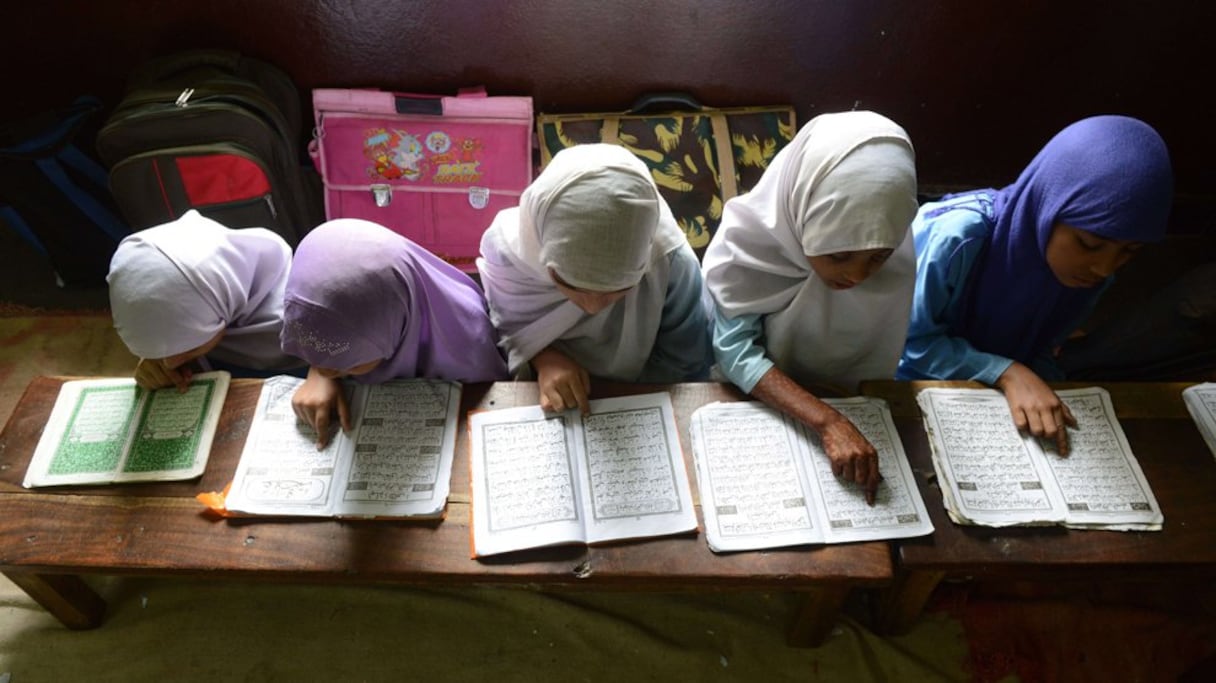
x=1176 y=461
x=48 y=537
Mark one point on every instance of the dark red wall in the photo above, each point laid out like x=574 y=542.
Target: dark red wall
x=979 y=84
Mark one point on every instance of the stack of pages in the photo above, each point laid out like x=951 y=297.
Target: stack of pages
x=992 y=475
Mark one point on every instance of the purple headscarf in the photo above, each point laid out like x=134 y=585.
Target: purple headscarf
x=358 y=292
x=1108 y=175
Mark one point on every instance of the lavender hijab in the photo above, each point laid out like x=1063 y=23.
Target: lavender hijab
x=174 y=287
x=1108 y=175
x=358 y=292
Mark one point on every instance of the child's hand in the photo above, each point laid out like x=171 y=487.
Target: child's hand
x=1035 y=407
x=314 y=403
x=151 y=373
x=853 y=457
x=563 y=383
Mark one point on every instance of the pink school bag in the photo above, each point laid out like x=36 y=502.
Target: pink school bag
x=433 y=168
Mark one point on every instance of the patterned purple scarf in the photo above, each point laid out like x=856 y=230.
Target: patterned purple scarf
x=358 y=292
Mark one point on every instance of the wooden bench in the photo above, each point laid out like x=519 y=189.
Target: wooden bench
x=1175 y=460
x=49 y=538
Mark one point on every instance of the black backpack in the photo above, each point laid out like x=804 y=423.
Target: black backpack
x=55 y=197
x=215 y=131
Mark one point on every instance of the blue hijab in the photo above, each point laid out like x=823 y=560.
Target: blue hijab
x=1108 y=175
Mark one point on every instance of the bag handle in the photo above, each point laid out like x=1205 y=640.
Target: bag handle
x=678 y=100
x=409 y=103
x=668 y=100
x=171 y=65
x=431 y=105
x=673 y=99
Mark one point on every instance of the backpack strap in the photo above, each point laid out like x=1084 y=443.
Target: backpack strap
x=87 y=203
x=14 y=220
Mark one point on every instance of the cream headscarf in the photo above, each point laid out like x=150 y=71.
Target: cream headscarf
x=175 y=286
x=596 y=218
x=847 y=182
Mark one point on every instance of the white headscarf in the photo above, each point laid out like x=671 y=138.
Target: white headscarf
x=847 y=182
x=594 y=216
x=175 y=286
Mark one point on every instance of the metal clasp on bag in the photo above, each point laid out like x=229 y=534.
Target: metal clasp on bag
x=184 y=99
x=479 y=197
x=383 y=194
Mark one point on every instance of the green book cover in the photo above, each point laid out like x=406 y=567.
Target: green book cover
x=110 y=430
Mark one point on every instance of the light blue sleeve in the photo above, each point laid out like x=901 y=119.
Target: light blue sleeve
x=946 y=251
x=681 y=351
x=738 y=348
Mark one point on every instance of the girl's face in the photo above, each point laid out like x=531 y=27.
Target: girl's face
x=847 y=269
x=177 y=360
x=331 y=373
x=591 y=302
x=1082 y=259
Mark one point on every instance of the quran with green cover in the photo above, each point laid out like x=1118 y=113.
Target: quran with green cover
x=110 y=430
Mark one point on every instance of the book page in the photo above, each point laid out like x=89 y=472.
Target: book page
x=1100 y=480
x=86 y=434
x=898 y=510
x=174 y=430
x=633 y=470
x=93 y=424
x=753 y=491
x=281 y=472
x=766 y=481
x=1200 y=401
x=403 y=443
x=524 y=479
x=989 y=473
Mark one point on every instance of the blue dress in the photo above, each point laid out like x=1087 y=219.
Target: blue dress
x=948 y=245
x=681 y=351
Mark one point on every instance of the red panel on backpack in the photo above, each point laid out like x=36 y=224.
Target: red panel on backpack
x=220 y=178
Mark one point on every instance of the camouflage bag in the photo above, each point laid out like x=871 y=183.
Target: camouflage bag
x=686 y=150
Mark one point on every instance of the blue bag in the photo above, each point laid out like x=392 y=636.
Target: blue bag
x=56 y=197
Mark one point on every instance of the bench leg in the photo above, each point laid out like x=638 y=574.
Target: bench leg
x=817 y=615
x=901 y=604
x=67 y=597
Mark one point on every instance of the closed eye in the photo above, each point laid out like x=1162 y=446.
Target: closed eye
x=1089 y=244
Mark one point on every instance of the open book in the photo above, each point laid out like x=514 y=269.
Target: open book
x=109 y=430
x=1201 y=402
x=992 y=475
x=542 y=479
x=766 y=482
x=395 y=462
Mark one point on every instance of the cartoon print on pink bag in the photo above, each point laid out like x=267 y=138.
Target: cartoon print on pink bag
x=397 y=154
